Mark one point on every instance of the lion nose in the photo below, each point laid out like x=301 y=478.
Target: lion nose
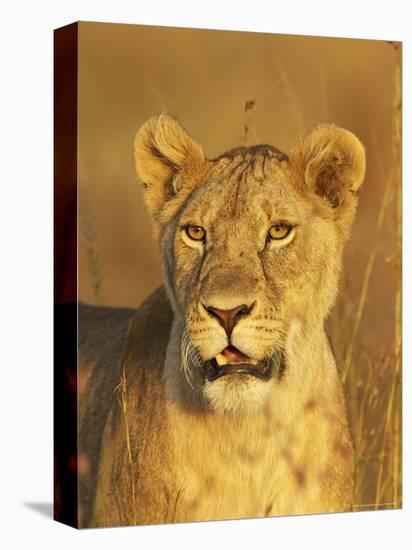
x=229 y=317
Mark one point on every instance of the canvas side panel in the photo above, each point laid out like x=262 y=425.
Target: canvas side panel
x=65 y=274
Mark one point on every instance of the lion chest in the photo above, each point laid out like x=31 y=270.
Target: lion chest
x=241 y=469
x=231 y=471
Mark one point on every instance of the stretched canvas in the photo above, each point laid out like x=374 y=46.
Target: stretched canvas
x=227 y=275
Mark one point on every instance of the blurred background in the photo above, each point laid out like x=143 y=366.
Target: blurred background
x=230 y=89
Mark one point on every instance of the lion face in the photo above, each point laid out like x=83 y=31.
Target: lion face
x=251 y=244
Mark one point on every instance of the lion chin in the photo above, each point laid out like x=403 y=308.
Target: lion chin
x=238 y=394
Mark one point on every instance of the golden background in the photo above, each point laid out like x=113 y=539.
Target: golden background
x=129 y=73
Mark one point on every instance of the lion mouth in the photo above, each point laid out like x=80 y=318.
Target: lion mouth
x=233 y=361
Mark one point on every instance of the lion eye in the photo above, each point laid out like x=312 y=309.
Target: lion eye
x=279 y=231
x=195 y=232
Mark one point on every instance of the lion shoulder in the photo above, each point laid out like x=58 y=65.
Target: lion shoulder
x=103 y=330
x=107 y=336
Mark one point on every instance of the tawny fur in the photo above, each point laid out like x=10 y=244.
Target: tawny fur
x=176 y=447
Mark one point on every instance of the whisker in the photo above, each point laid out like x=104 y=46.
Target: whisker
x=190 y=357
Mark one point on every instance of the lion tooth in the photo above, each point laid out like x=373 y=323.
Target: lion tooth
x=221 y=359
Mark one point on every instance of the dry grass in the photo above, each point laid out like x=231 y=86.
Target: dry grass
x=89 y=241
x=374 y=387
x=121 y=394
x=248 y=126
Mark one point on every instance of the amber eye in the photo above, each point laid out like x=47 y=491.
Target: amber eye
x=279 y=231
x=195 y=232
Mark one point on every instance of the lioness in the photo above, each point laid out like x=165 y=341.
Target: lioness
x=220 y=397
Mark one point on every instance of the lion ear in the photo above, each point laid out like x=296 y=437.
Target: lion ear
x=167 y=160
x=331 y=162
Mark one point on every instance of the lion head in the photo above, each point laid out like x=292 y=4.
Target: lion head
x=251 y=244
